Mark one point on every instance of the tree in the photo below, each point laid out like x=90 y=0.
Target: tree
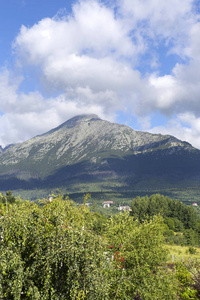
x=141 y=247
x=177 y=216
x=9 y=196
x=50 y=252
x=60 y=251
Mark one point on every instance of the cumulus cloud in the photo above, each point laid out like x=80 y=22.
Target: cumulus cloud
x=179 y=92
x=90 y=48
x=90 y=61
x=186 y=127
x=169 y=20
x=92 y=29
x=26 y=115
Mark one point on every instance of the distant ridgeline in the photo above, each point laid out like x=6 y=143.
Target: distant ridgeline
x=89 y=154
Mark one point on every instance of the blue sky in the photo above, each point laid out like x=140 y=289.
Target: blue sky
x=136 y=62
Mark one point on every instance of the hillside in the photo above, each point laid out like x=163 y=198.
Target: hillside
x=87 y=150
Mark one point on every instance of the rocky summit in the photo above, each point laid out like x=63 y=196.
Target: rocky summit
x=87 y=150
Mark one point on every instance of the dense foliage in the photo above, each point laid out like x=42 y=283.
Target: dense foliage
x=183 y=224
x=56 y=250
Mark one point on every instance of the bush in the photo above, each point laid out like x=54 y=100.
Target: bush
x=191 y=237
x=186 y=282
x=192 y=250
x=188 y=293
x=58 y=251
x=142 y=247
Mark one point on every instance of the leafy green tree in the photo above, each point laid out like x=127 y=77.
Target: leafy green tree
x=51 y=252
x=56 y=250
x=178 y=225
x=177 y=216
x=138 y=253
x=170 y=223
x=191 y=237
x=139 y=208
x=186 y=282
x=9 y=196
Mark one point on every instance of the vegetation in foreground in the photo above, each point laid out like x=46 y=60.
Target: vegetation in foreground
x=56 y=250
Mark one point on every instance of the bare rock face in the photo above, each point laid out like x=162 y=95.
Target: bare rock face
x=86 y=146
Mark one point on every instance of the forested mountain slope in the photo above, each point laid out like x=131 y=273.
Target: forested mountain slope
x=86 y=149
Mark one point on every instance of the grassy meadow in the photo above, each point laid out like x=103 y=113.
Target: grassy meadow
x=182 y=253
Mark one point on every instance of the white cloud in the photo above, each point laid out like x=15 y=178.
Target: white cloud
x=81 y=71
x=169 y=20
x=179 y=92
x=27 y=115
x=85 y=56
x=91 y=30
x=185 y=127
x=89 y=60
x=90 y=49
x=7 y=90
x=95 y=48
x=19 y=124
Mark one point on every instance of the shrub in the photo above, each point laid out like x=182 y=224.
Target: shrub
x=192 y=250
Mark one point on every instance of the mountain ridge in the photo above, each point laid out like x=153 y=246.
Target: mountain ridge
x=88 y=149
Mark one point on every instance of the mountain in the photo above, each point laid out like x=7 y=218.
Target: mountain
x=88 y=152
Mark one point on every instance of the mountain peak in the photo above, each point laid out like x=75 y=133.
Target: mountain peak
x=79 y=119
x=74 y=121
x=82 y=118
x=87 y=150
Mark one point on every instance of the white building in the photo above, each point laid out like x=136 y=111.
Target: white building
x=124 y=208
x=107 y=203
